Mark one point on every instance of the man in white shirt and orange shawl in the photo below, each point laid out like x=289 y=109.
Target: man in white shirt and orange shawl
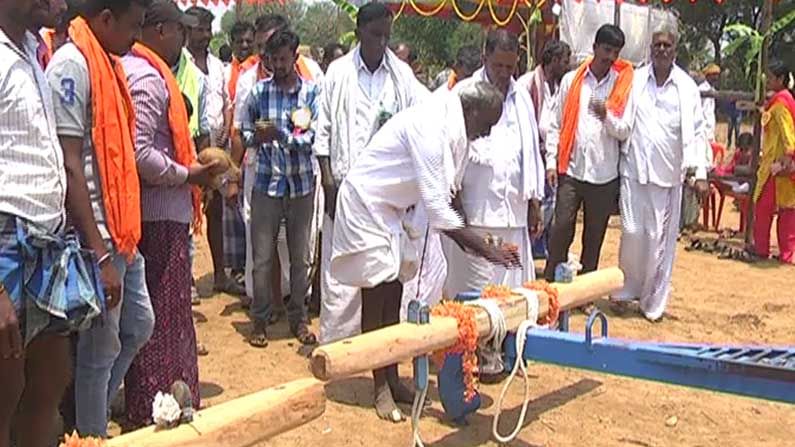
x=504 y=181
x=668 y=138
x=414 y=160
x=588 y=125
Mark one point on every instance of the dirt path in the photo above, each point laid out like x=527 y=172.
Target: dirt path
x=713 y=301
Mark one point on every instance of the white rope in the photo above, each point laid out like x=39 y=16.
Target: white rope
x=519 y=364
x=491 y=345
x=416 y=412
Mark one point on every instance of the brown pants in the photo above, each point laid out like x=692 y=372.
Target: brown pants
x=599 y=202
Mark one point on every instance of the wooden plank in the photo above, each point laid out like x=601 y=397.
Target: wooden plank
x=403 y=341
x=240 y=422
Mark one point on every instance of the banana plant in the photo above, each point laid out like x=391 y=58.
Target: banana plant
x=349 y=38
x=744 y=35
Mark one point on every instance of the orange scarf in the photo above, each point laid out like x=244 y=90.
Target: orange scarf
x=452 y=80
x=615 y=104
x=234 y=74
x=301 y=67
x=112 y=136
x=178 y=122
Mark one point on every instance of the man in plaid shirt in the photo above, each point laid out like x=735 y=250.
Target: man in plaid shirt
x=277 y=120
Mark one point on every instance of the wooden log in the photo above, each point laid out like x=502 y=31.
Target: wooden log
x=240 y=422
x=403 y=341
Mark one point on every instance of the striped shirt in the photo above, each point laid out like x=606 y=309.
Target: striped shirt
x=32 y=175
x=286 y=167
x=165 y=194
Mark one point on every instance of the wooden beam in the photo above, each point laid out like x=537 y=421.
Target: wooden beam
x=728 y=95
x=403 y=341
x=240 y=422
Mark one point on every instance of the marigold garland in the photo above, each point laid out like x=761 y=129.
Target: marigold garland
x=74 y=440
x=551 y=293
x=467 y=341
x=498 y=292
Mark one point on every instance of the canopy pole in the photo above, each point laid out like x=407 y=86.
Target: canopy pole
x=764 y=27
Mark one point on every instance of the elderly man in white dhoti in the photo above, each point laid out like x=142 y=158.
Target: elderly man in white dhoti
x=361 y=91
x=504 y=181
x=668 y=137
x=417 y=158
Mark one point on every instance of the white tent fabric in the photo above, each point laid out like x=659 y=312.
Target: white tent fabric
x=580 y=19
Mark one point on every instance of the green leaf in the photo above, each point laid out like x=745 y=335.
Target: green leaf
x=741 y=30
x=349 y=8
x=781 y=23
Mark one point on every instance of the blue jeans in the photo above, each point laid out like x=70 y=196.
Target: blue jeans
x=105 y=352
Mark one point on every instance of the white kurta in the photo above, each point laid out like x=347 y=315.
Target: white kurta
x=667 y=138
x=504 y=173
x=708 y=105
x=413 y=160
x=427 y=286
x=349 y=104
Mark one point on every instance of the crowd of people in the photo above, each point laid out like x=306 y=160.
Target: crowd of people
x=357 y=185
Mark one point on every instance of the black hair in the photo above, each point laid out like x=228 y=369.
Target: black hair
x=610 y=35
x=501 y=39
x=91 y=8
x=780 y=69
x=553 y=49
x=371 y=12
x=73 y=10
x=468 y=57
x=329 y=49
x=202 y=14
x=271 y=22
x=745 y=140
x=280 y=39
x=225 y=53
x=240 y=28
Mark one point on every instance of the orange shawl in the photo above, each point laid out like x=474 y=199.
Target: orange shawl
x=615 y=104
x=452 y=80
x=234 y=74
x=112 y=136
x=178 y=122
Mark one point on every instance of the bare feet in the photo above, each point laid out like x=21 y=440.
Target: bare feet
x=385 y=406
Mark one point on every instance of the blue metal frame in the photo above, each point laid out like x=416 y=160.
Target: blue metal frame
x=762 y=372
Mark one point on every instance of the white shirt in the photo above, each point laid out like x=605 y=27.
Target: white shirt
x=708 y=104
x=378 y=93
x=493 y=192
x=668 y=132
x=595 y=151
x=217 y=99
x=655 y=147
x=32 y=175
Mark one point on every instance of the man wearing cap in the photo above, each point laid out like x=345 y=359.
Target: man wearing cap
x=711 y=80
x=170 y=176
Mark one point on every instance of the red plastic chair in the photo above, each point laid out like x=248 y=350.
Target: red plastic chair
x=710 y=205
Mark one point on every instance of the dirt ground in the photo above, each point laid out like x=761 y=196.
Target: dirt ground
x=715 y=301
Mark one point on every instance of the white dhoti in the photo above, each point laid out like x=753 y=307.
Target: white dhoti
x=650 y=224
x=340 y=305
x=467 y=272
x=249 y=176
x=431 y=276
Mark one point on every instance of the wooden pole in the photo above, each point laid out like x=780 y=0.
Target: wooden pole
x=764 y=26
x=403 y=341
x=240 y=422
x=617 y=13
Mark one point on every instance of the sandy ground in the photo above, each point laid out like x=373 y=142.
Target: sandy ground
x=714 y=301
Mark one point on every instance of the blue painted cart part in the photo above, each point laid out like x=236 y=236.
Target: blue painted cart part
x=754 y=371
x=419 y=314
x=452 y=388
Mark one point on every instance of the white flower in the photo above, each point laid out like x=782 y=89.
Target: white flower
x=165 y=410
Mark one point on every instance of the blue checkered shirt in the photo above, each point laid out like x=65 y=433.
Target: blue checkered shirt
x=284 y=168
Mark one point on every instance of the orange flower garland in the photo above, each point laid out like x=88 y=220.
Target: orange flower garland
x=74 y=440
x=467 y=341
x=545 y=289
x=499 y=292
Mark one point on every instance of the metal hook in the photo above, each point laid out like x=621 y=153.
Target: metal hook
x=596 y=313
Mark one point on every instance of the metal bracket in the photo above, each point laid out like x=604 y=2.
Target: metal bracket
x=596 y=313
x=419 y=314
